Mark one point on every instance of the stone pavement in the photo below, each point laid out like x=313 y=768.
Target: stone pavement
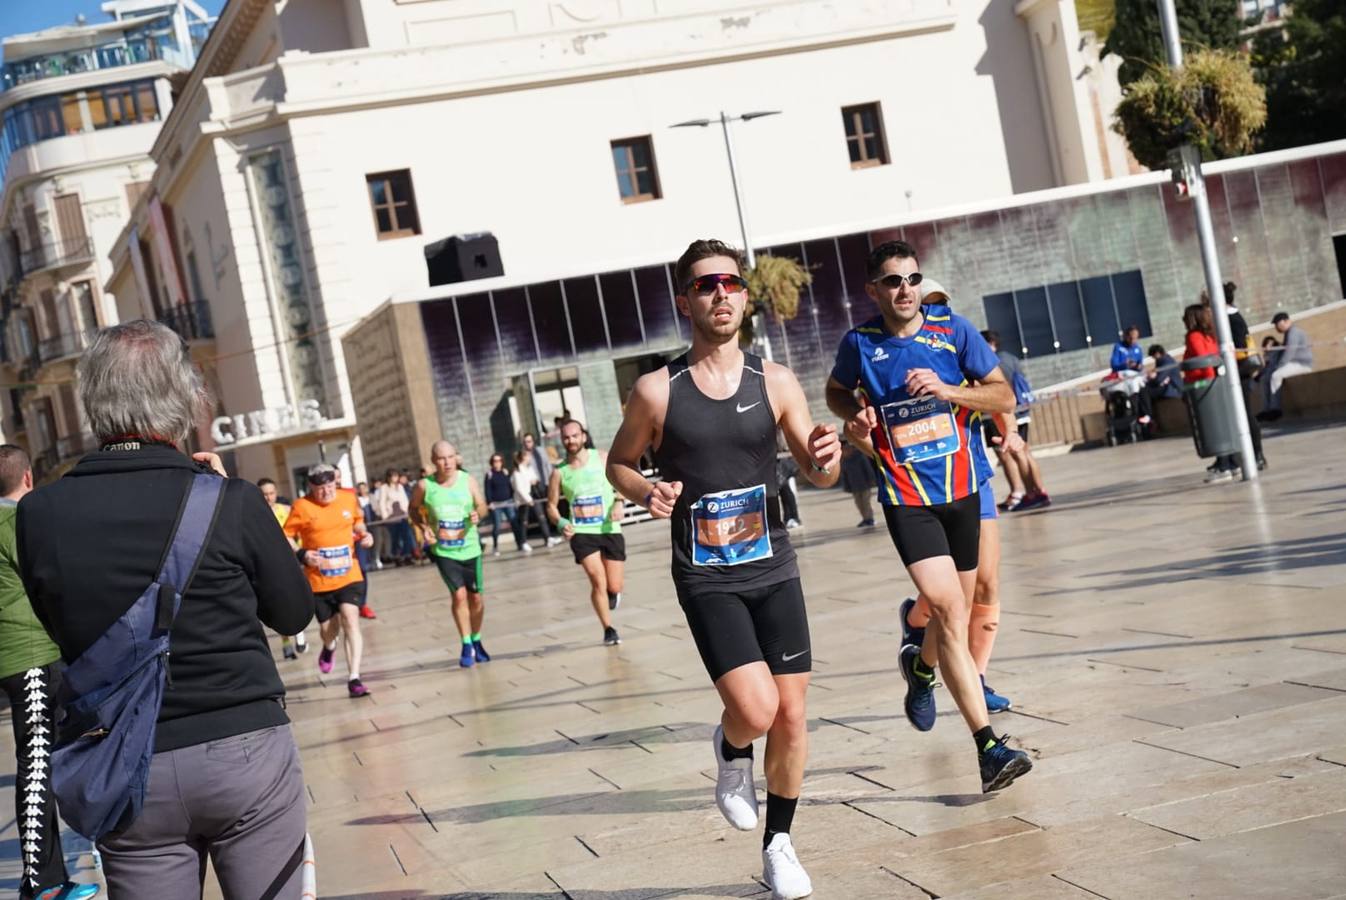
x=1176 y=653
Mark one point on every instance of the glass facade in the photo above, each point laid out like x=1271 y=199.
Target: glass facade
x=77 y=112
x=1059 y=278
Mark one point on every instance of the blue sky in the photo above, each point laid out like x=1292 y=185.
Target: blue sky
x=19 y=16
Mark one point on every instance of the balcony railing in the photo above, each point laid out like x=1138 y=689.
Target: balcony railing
x=60 y=253
x=191 y=321
x=63 y=346
x=124 y=51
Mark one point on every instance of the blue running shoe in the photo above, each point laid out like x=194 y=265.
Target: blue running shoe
x=994 y=702
x=68 y=891
x=468 y=657
x=910 y=634
x=1001 y=764
x=920 y=700
x=483 y=656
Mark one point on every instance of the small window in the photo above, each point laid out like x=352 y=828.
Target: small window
x=637 y=178
x=864 y=135
x=394 y=204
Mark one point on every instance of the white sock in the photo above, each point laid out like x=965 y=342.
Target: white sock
x=329 y=647
x=354 y=676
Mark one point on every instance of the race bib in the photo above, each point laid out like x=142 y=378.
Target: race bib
x=451 y=533
x=730 y=527
x=588 y=510
x=921 y=428
x=334 y=561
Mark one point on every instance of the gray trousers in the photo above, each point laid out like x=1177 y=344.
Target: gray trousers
x=241 y=799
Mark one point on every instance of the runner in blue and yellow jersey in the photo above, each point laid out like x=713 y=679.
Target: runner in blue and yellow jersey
x=905 y=381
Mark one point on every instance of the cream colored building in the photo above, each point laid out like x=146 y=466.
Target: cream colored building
x=319 y=146
x=80 y=108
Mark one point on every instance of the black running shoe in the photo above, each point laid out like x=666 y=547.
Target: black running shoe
x=1001 y=764
x=610 y=636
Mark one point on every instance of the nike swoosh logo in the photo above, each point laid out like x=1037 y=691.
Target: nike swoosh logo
x=786 y=657
x=741 y=408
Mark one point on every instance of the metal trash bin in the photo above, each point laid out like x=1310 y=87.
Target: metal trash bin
x=1210 y=409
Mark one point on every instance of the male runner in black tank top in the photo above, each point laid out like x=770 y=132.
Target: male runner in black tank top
x=711 y=417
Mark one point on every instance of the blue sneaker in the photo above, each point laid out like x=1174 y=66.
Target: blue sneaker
x=67 y=891
x=994 y=702
x=468 y=658
x=910 y=633
x=483 y=656
x=1001 y=764
x=919 y=703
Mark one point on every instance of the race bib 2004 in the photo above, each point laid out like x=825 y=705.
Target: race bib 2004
x=921 y=428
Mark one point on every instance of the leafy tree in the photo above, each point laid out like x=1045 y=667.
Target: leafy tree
x=1213 y=102
x=774 y=285
x=1138 y=39
x=1303 y=67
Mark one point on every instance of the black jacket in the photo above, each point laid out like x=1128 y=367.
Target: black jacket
x=91 y=543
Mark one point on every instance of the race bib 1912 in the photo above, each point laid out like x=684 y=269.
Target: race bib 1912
x=730 y=528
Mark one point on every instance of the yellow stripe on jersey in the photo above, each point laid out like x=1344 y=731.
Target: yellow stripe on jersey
x=948 y=476
x=916 y=480
x=930 y=318
x=869 y=331
x=935 y=343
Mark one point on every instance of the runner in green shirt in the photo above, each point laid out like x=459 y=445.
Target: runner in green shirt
x=450 y=504
x=29 y=666
x=593 y=527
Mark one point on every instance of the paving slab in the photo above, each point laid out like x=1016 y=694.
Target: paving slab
x=1176 y=654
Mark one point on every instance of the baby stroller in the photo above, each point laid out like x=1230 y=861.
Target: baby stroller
x=1121 y=400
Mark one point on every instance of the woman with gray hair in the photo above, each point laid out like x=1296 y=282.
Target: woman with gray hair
x=225 y=776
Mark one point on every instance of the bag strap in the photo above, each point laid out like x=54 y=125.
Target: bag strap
x=196 y=522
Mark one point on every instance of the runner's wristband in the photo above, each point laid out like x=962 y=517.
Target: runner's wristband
x=563 y=523
x=648 y=497
x=826 y=470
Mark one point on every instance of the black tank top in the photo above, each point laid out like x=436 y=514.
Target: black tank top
x=727 y=531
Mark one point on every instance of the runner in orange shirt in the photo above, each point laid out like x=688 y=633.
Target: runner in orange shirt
x=327 y=523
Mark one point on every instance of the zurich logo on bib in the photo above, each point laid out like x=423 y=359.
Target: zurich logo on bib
x=730 y=528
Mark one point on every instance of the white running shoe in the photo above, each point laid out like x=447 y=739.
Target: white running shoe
x=782 y=872
x=735 y=793
x=526 y=548
x=553 y=541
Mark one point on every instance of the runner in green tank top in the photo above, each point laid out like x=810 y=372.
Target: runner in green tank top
x=450 y=504
x=593 y=527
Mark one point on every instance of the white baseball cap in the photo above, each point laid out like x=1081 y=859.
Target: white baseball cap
x=930 y=288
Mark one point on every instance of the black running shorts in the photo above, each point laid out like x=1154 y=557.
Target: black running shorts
x=766 y=624
x=327 y=603
x=612 y=546
x=458 y=574
x=949 y=529
x=989 y=431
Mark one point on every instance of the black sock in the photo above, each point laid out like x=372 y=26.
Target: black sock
x=612 y=595
x=780 y=812
x=729 y=751
x=983 y=738
x=922 y=670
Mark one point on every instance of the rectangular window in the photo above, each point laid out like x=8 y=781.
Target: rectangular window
x=70 y=113
x=864 y=135
x=1069 y=315
x=147 y=103
x=393 y=203
x=637 y=177
x=82 y=295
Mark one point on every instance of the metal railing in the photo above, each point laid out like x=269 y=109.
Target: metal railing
x=123 y=51
x=191 y=321
x=63 y=345
x=58 y=253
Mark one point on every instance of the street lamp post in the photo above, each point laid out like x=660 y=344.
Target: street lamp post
x=1190 y=160
x=749 y=257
